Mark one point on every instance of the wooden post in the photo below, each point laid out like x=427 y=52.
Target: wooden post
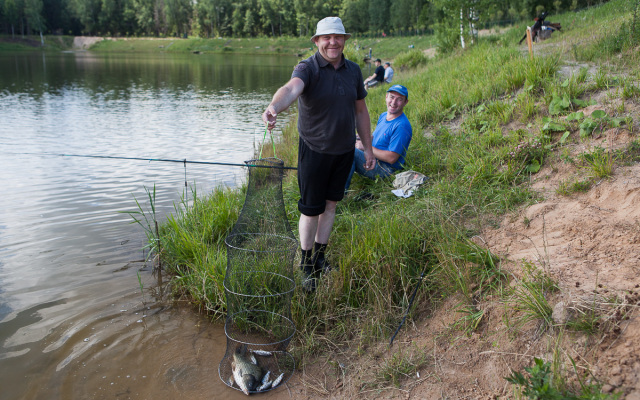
x=529 y=42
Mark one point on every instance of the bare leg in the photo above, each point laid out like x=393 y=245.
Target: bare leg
x=317 y=228
x=307 y=227
x=325 y=223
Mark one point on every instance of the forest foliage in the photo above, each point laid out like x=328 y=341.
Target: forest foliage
x=271 y=18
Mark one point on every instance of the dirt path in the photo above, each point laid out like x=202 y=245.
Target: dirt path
x=84 y=42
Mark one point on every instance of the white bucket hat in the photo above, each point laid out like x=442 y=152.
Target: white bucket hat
x=330 y=26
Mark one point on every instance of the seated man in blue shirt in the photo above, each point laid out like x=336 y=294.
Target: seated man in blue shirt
x=390 y=139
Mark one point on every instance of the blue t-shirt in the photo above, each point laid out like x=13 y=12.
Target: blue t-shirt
x=394 y=135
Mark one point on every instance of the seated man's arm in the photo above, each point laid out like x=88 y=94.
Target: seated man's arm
x=382 y=155
x=385 y=155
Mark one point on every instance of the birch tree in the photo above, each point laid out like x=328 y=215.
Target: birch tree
x=33 y=13
x=11 y=14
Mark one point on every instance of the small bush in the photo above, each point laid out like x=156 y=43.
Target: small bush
x=600 y=162
x=541 y=383
x=410 y=59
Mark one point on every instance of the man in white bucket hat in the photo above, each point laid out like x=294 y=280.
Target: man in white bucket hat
x=331 y=107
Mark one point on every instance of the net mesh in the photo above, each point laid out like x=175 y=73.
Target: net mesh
x=259 y=285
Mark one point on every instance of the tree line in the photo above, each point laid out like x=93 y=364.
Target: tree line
x=251 y=18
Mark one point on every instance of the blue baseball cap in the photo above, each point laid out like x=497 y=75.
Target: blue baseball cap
x=399 y=89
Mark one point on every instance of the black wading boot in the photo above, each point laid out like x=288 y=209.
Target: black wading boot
x=320 y=262
x=309 y=273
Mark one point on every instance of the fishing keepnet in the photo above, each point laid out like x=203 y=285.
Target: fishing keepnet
x=259 y=281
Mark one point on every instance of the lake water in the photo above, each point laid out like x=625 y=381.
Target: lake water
x=74 y=322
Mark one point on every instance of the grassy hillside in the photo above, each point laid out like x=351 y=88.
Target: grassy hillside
x=32 y=43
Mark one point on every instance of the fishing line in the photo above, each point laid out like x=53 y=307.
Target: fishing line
x=413 y=296
x=264 y=138
x=185 y=161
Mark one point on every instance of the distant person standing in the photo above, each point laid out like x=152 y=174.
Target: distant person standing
x=331 y=107
x=388 y=72
x=377 y=77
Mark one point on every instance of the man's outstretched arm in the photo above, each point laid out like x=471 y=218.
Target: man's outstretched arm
x=282 y=99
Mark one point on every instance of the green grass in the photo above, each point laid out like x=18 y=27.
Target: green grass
x=410 y=59
x=216 y=45
x=540 y=382
x=389 y=48
x=402 y=365
x=192 y=247
x=599 y=162
x=529 y=297
x=17 y=42
x=385 y=48
x=568 y=187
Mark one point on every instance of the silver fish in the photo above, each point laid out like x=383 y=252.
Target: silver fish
x=277 y=381
x=263 y=353
x=265 y=378
x=264 y=386
x=246 y=374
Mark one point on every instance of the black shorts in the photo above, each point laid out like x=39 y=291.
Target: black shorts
x=321 y=177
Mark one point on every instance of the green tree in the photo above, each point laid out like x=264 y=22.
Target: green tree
x=268 y=15
x=208 y=14
x=237 y=19
x=249 y=27
x=110 y=17
x=178 y=14
x=355 y=15
x=379 y=15
x=33 y=13
x=303 y=16
x=459 y=17
x=86 y=11
x=405 y=14
x=11 y=14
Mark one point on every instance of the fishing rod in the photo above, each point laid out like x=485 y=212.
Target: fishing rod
x=408 y=308
x=184 y=161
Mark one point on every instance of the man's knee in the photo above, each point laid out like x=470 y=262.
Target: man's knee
x=311 y=211
x=330 y=206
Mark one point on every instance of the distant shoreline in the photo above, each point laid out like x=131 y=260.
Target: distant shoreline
x=385 y=48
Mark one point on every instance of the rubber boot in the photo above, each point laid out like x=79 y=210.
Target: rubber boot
x=320 y=261
x=309 y=278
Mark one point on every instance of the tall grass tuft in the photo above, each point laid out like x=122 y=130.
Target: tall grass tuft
x=529 y=298
x=193 y=246
x=410 y=59
x=402 y=366
x=599 y=162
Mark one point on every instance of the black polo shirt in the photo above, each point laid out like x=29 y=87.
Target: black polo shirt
x=326 y=108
